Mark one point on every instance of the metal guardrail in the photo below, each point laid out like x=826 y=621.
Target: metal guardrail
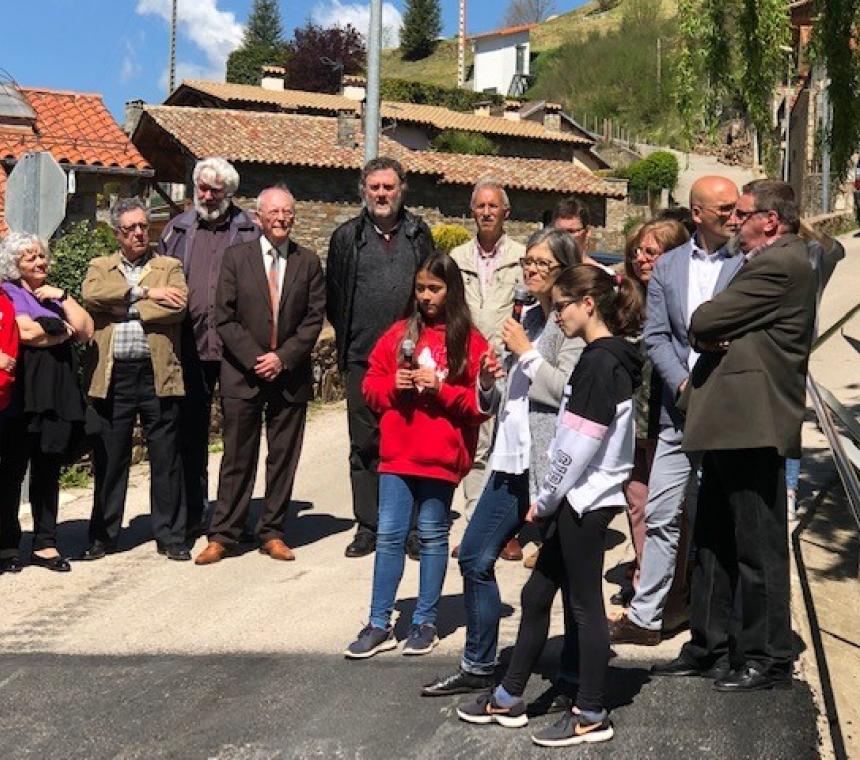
x=846 y=454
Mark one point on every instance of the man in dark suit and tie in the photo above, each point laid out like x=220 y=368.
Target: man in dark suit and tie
x=745 y=403
x=269 y=306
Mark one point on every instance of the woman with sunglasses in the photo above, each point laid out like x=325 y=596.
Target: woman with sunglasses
x=523 y=391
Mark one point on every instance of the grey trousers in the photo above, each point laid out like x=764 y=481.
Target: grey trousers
x=673 y=478
x=473 y=483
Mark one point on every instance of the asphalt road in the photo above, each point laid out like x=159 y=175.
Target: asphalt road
x=306 y=706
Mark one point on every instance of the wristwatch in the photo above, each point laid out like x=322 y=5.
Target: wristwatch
x=65 y=295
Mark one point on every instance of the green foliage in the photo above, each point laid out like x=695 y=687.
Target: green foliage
x=446 y=237
x=71 y=254
x=729 y=54
x=467 y=143
x=314 y=49
x=75 y=476
x=630 y=223
x=422 y=24
x=614 y=75
x=835 y=42
x=262 y=45
x=650 y=175
x=606 y=5
x=408 y=91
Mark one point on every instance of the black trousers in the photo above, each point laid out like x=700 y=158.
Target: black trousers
x=285 y=429
x=363 y=451
x=742 y=539
x=194 y=414
x=132 y=392
x=17 y=449
x=571 y=558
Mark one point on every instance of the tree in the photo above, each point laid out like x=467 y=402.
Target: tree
x=319 y=57
x=422 y=24
x=528 y=11
x=262 y=44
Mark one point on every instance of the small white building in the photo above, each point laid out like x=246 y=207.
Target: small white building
x=501 y=61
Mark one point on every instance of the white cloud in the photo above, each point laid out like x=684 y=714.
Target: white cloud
x=129 y=67
x=215 y=33
x=332 y=12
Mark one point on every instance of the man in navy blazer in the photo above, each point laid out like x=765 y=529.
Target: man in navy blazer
x=681 y=280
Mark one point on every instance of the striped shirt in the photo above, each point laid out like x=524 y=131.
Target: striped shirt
x=129 y=338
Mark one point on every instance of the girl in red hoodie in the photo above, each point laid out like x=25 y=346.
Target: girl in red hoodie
x=8 y=349
x=428 y=426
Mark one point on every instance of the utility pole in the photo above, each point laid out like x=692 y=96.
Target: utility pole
x=659 y=66
x=371 y=112
x=171 y=65
x=461 y=46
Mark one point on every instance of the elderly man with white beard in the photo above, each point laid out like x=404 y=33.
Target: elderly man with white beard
x=198 y=238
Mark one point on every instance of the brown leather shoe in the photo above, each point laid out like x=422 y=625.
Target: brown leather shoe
x=625 y=631
x=512 y=552
x=214 y=552
x=277 y=549
x=455 y=552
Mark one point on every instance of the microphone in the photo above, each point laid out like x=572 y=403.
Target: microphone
x=521 y=297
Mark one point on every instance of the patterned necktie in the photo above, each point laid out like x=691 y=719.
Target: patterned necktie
x=274 y=297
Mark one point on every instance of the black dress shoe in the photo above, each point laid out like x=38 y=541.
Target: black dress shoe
x=96 y=550
x=460 y=682
x=10 y=565
x=363 y=544
x=177 y=552
x=752 y=678
x=682 y=666
x=58 y=564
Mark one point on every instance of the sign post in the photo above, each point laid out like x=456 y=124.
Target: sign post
x=36 y=195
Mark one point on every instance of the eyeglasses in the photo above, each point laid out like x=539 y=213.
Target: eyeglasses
x=651 y=253
x=275 y=213
x=559 y=306
x=744 y=215
x=542 y=265
x=142 y=226
x=724 y=210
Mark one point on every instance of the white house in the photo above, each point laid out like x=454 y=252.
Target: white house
x=502 y=60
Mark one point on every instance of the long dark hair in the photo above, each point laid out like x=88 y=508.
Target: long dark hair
x=458 y=318
x=617 y=298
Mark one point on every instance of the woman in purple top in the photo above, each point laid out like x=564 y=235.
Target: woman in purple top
x=47 y=410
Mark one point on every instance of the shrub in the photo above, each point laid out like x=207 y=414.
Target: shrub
x=71 y=254
x=455 y=98
x=650 y=175
x=467 y=143
x=446 y=237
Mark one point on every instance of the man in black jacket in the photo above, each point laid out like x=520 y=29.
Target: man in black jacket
x=371 y=265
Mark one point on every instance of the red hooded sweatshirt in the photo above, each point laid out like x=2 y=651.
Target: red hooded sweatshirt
x=428 y=435
x=8 y=345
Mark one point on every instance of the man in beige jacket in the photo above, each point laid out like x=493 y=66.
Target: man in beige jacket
x=491 y=269
x=137 y=300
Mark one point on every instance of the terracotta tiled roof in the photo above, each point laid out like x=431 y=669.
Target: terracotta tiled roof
x=76 y=128
x=435 y=116
x=301 y=140
x=503 y=32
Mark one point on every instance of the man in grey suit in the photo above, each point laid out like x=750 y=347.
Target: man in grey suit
x=681 y=280
x=745 y=404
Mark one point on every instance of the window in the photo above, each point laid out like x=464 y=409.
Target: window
x=521 y=59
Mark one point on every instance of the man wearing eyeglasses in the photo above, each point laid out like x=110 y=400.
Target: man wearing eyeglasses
x=198 y=238
x=490 y=264
x=745 y=406
x=137 y=300
x=681 y=280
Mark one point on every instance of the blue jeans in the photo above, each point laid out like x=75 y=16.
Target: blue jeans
x=498 y=517
x=792 y=474
x=397 y=494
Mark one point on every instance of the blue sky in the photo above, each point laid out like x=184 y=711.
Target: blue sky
x=120 y=47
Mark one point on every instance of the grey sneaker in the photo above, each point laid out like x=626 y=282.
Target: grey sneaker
x=422 y=639
x=572 y=728
x=485 y=710
x=370 y=641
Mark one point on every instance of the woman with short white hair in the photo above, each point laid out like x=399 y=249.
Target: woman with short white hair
x=45 y=420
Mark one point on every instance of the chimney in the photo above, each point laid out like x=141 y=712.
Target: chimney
x=552 y=117
x=512 y=110
x=133 y=112
x=273 y=78
x=482 y=109
x=354 y=88
x=346 y=120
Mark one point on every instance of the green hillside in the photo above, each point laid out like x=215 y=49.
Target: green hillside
x=440 y=68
